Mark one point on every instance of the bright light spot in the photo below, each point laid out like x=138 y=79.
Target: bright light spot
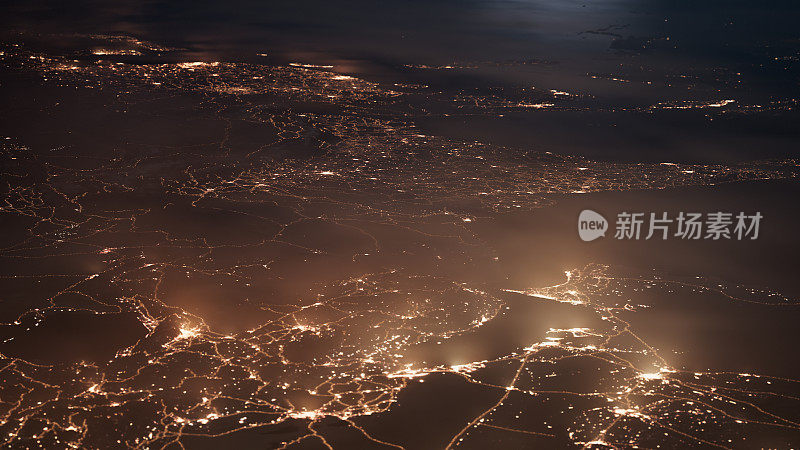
x=187 y=333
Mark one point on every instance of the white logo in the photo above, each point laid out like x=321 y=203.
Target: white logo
x=591 y=225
